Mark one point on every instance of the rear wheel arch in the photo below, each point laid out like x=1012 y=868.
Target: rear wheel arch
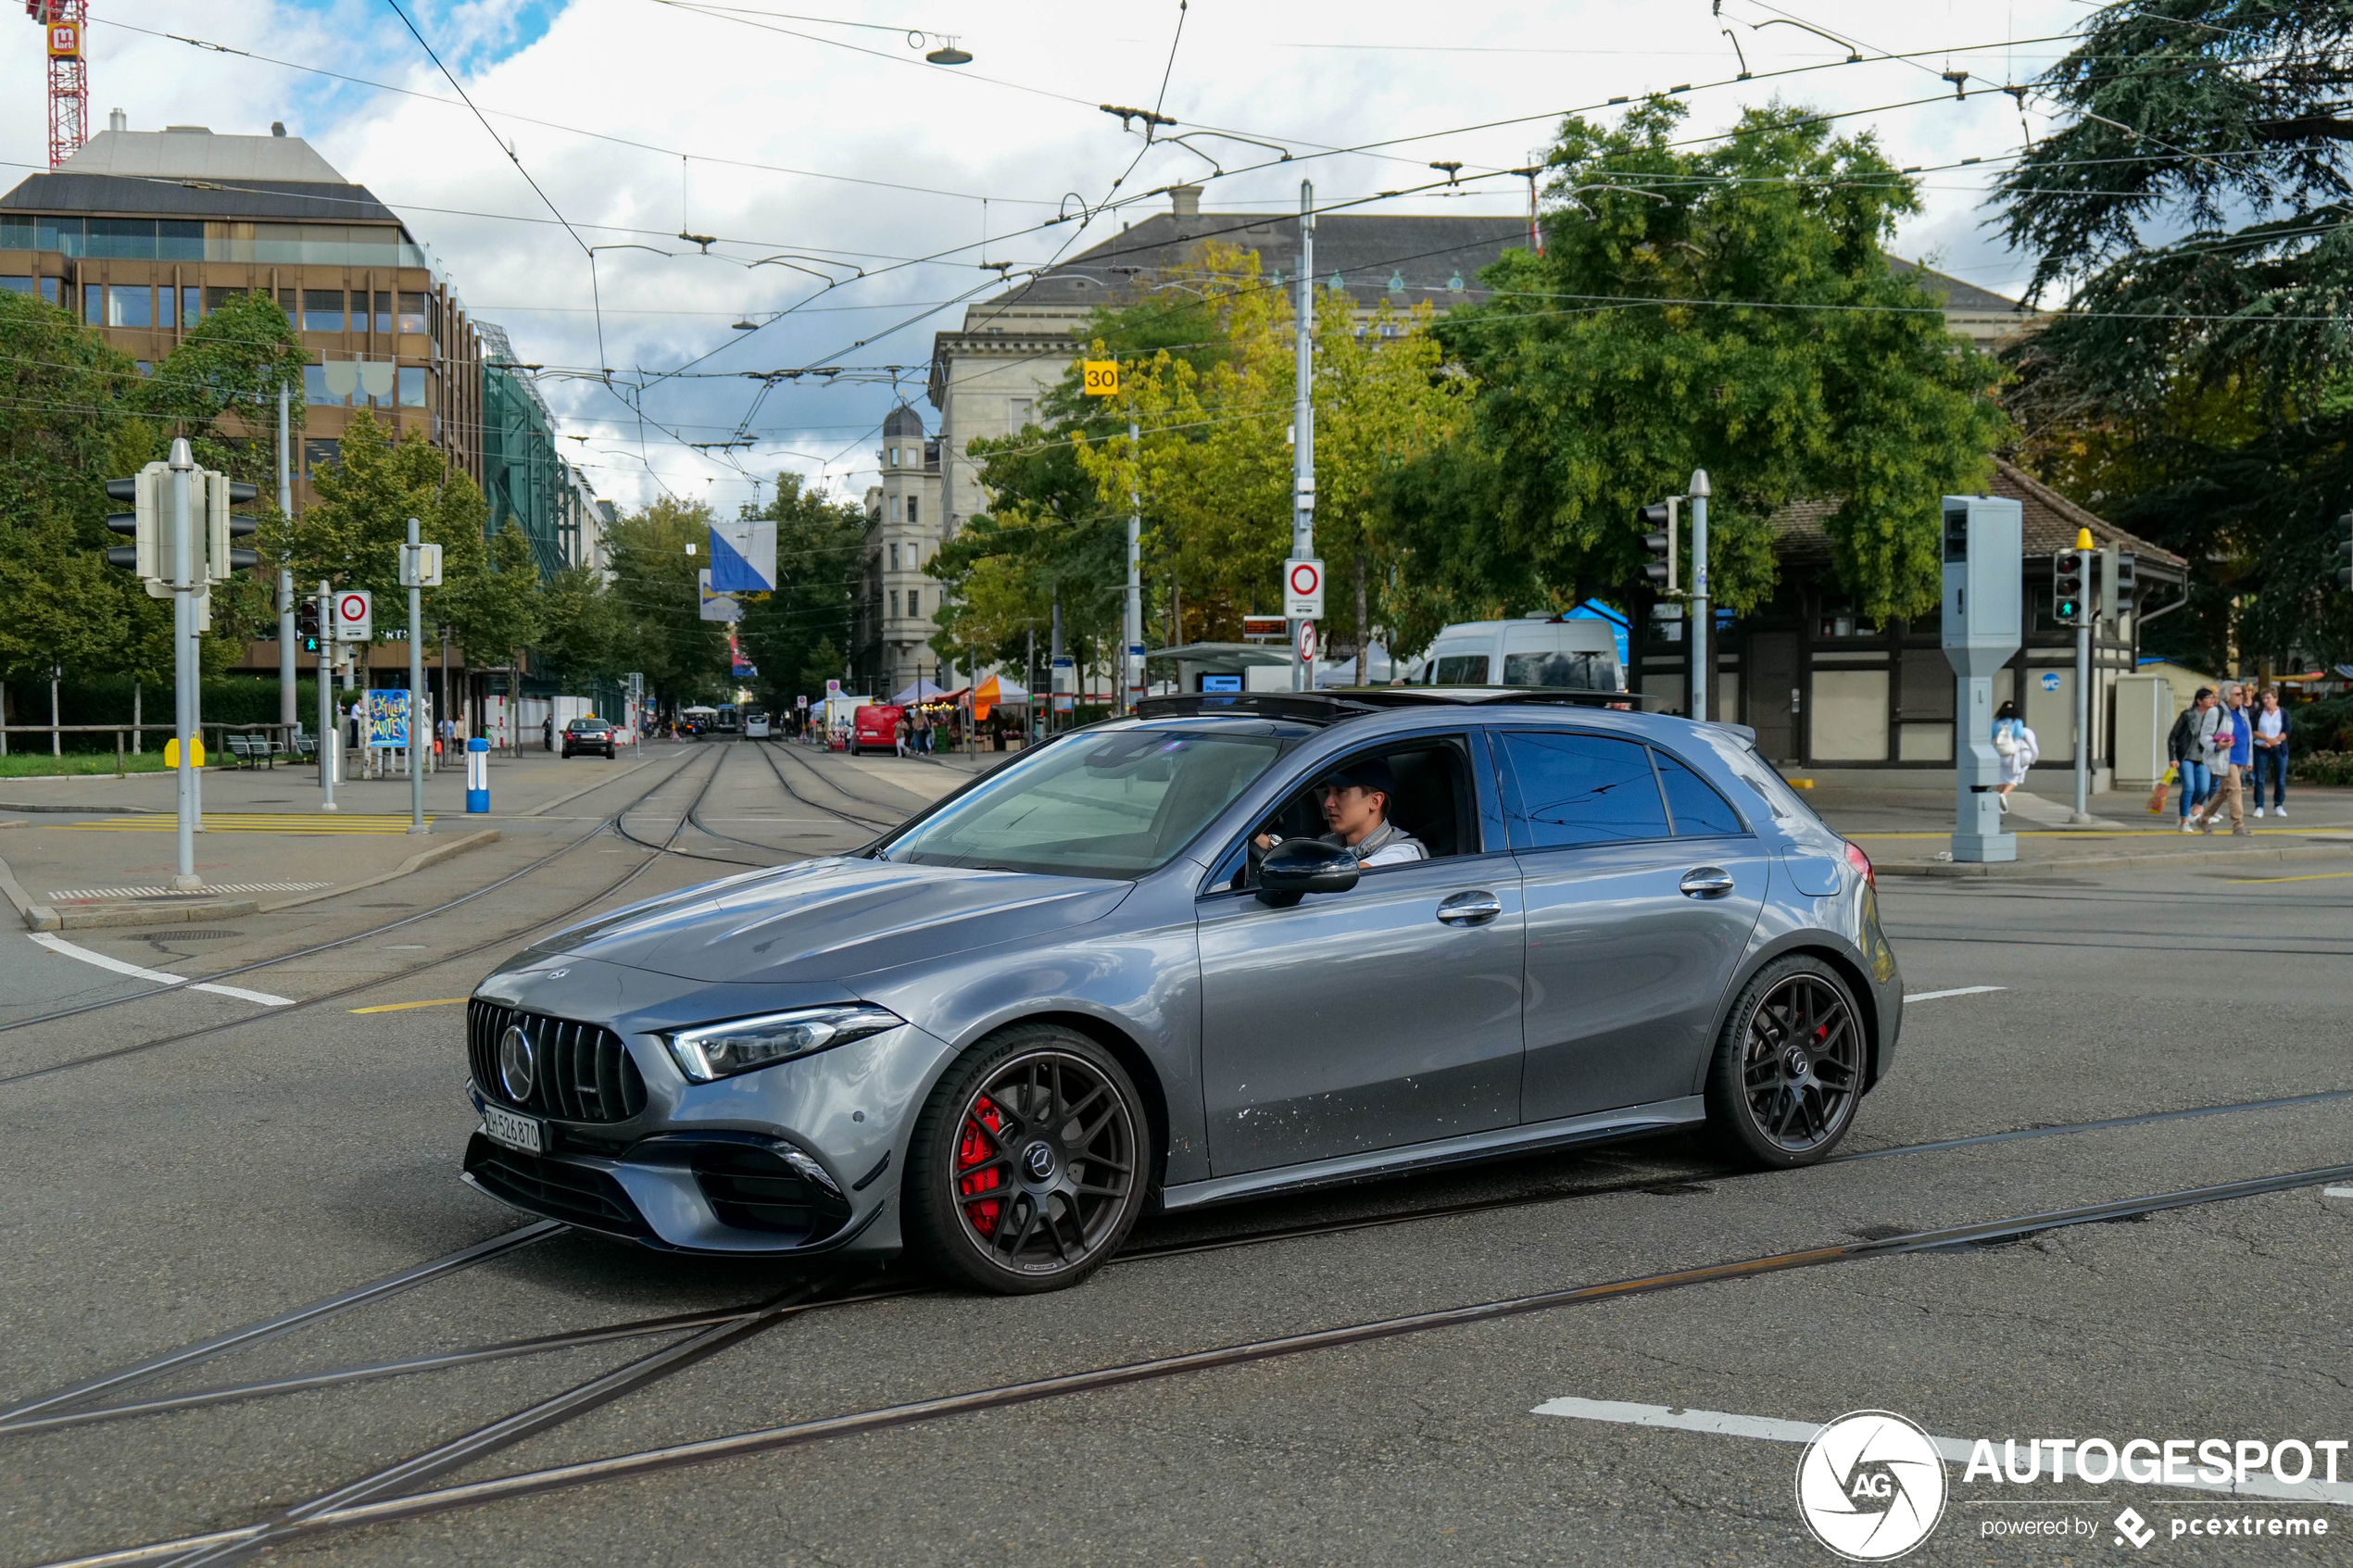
x=1849 y=971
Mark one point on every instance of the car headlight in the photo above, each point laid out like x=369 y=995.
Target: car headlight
x=721 y=1050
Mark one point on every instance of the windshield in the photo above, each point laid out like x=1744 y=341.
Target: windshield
x=1115 y=805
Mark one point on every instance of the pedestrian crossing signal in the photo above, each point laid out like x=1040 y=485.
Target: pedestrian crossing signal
x=2067 y=587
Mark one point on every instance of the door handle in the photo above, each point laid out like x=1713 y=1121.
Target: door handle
x=1707 y=882
x=1470 y=909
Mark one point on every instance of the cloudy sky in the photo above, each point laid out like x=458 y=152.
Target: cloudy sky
x=843 y=174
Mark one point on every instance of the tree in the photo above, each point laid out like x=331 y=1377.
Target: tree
x=657 y=604
x=2196 y=386
x=1727 y=307
x=793 y=636
x=493 y=608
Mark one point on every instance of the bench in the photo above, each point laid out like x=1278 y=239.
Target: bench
x=250 y=751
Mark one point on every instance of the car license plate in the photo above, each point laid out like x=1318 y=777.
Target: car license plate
x=525 y=1133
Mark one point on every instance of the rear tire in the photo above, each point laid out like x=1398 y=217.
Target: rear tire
x=1028 y=1166
x=1789 y=1066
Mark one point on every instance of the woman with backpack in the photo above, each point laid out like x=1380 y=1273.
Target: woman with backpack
x=2018 y=747
x=2187 y=750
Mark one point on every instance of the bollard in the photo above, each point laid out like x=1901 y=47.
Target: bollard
x=477 y=773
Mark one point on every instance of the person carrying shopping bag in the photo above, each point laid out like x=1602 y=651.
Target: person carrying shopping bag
x=2229 y=753
x=2017 y=748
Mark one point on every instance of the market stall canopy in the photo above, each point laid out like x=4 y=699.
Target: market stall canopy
x=922 y=691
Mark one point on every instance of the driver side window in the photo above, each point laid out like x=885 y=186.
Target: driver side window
x=1434 y=801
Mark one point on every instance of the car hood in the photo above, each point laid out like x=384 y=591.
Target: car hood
x=834 y=919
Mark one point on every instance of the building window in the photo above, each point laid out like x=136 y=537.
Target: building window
x=191 y=307
x=894 y=508
x=314 y=387
x=144 y=367
x=291 y=303
x=894 y=456
x=383 y=311
x=119 y=305
x=915 y=601
x=1018 y=409
x=911 y=505
x=323 y=310
x=412 y=386
x=412 y=312
x=17 y=285
x=894 y=558
x=894 y=604
x=319 y=453
x=93 y=304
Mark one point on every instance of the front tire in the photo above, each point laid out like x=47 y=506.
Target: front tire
x=1789 y=1067
x=1028 y=1167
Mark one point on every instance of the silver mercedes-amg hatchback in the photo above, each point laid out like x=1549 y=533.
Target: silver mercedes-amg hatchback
x=1234 y=945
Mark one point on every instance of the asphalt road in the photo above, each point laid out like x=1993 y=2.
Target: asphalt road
x=185 y=1165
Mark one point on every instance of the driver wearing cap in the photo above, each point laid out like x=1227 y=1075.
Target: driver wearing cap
x=1356 y=803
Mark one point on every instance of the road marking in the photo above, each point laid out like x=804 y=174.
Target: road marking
x=56 y=945
x=403 y=1007
x=2336 y=1192
x=78 y=894
x=1957 y=991
x=1956 y=1449
x=2316 y=876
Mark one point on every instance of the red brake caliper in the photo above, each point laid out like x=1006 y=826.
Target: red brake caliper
x=976 y=1148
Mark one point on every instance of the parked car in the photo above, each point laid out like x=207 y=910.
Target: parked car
x=1550 y=652
x=874 y=727
x=590 y=734
x=1074 y=989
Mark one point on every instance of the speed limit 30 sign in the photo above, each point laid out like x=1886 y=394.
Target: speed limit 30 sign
x=1303 y=590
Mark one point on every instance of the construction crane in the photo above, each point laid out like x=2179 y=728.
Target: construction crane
x=67 y=25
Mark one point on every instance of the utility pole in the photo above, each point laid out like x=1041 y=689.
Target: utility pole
x=1699 y=494
x=416 y=682
x=2087 y=544
x=183 y=655
x=329 y=736
x=1131 y=665
x=289 y=708
x=1303 y=527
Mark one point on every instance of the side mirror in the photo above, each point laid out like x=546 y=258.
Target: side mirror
x=1300 y=866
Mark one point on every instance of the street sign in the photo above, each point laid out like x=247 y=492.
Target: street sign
x=1307 y=642
x=354 y=616
x=1303 y=589
x=421 y=566
x=385 y=719
x=2050 y=680
x=1101 y=377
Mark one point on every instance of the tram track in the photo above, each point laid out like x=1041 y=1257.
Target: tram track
x=55 y=1412
x=378 y=1495
x=371 y=982
x=863 y=823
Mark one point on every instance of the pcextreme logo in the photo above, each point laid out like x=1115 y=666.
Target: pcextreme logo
x=1871 y=1486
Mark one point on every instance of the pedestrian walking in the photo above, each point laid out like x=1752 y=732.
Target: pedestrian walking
x=2187 y=749
x=900 y=730
x=2229 y=752
x=2271 y=728
x=2017 y=748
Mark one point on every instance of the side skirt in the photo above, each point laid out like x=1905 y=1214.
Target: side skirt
x=1375 y=1164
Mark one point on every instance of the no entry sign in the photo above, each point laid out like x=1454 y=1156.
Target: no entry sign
x=1303 y=589
x=354 y=616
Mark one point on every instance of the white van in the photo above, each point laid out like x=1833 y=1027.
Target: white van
x=1535 y=650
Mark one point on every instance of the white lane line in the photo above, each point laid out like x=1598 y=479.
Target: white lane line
x=1957 y=991
x=2336 y=1192
x=1956 y=1449
x=56 y=945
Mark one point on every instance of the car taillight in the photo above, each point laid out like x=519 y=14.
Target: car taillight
x=1861 y=863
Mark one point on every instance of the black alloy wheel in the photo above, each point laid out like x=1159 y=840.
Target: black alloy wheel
x=1789 y=1068
x=1027 y=1167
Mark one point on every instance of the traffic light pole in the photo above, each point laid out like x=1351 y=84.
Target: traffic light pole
x=2085 y=543
x=1131 y=632
x=1302 y=528
x=417 y=696
x=328 y=735
x=289 y=704
x=184 y=648
x=1699 y=492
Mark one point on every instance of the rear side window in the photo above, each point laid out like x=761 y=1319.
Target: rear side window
x=1576 y=788
x=1460 y=669
x=1698 y=809
x=1569 y=672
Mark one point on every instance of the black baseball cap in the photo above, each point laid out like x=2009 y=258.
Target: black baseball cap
x=1364 y=772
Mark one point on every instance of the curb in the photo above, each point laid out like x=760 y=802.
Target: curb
x=416 y=862
x=85 y=809
x=158 y=914
x=2096 y=863
x=36 y=917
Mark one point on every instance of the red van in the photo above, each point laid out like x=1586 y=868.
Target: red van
x=875 y=727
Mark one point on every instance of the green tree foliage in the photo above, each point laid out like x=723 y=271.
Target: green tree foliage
x=657 y=604
x=579 y=628
x=795 y=636
x=1725 y=306
x=2198 y=386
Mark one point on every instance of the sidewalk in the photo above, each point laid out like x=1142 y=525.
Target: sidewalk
x=1904 y=828
x=80 y=852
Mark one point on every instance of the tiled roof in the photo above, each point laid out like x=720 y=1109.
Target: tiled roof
x=2048 y=522
x=1956 y=295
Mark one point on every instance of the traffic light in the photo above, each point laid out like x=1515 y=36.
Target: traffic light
x=1657 y=520
x=2121 y=592
x=2067 y=587
x=144 y=522
x=307 y=625
x=221 y=493
x=2345 y=552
